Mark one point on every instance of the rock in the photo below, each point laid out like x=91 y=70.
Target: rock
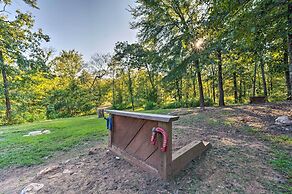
x=283 y=120
x=67 y=171
x=57 y=175
x=32 y=188
x=39 y=132
x=48 y=170
x=46 y=132
x=92 y=151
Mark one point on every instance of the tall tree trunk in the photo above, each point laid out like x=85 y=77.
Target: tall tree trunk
x=287 y=77
x=254 y=80
x=213 y=83
x=131 y=89
x=220 y=79
x=113 y=89
x=235 y=87
x=290 y=42
x=6 y=89
x=194 y=85
x=240 y=89
x=262 y=64
x=201 y=90
x=178 y=92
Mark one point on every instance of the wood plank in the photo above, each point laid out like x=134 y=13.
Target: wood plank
x=166 y=157
x=146 y=116
x=143 y=165
x=141 y=146
x=124 y=129
x=187 y=153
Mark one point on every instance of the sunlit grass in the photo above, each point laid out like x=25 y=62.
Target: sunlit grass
x=17 y=150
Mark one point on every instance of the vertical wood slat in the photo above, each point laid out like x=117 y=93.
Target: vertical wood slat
x=166 y=157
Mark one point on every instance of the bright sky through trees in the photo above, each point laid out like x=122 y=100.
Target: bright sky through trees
x=88 y=26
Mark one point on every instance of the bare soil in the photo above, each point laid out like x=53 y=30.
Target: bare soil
x=238 y=161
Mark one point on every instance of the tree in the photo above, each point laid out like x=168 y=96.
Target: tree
x=67 y=64
x=19 y=46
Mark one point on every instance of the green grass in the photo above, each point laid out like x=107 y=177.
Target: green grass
x=17 y=150
x=156 y=111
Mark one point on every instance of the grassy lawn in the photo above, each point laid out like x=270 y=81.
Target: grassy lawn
x=17 y=150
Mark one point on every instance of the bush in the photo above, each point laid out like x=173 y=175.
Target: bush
x=150 y=105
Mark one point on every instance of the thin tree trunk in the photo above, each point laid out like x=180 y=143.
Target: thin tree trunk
x=287 y=77
x=220 y=79
x=201 y=90
x=131 y=89
x=113 y=85
x=290 y=43
x=235 y=87
x=262 y=64
x=6 y=89
x=213 y=83
x=254 y=80
x=240 y=89
x=194 y=86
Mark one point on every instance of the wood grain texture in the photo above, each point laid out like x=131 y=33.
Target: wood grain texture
x=124 y=129
x=186 y=154
x=143 y=165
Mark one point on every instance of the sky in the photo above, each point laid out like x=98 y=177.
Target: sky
x=88 y=26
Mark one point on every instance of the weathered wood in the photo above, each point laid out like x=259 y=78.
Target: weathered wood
x=143 y=165
x=166 y=160
x=152 y=117
x=257 y=99
x=186 y=154
x=100 y=113
x=130 y=138
x=125 y=129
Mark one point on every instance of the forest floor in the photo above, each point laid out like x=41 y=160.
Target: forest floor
x=249 y=154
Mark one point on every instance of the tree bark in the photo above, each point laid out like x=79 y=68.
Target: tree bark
x=254 y=80
x=240 y=89
x=220 y=79
x=262 y=65
x=113 y=85
x=287 y=77
x=6 y=89
x=131 y=89
x=194 y=86
x=235 y=87
x=213 y=83
x=290 y=43
x=201 y=90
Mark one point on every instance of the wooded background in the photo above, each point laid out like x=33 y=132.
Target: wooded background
x=190 y=53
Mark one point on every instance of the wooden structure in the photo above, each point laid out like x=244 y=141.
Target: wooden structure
x=130 y=136
x=258 y=99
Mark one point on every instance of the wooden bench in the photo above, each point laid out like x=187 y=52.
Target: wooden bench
x=130 y=138
x=258 y=99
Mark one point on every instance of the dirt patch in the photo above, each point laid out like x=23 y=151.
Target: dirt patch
x=237 y=163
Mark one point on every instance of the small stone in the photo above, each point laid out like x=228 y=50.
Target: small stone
x=48 y=170
x=32 y=188
x=283 y=120
x=67 y=171
x=57 y=175
x=46 y=132
x=92 y=151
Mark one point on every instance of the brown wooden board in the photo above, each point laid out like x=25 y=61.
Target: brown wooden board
x=133 y=160
x=124 y=129
x=187 y=153
x=141 y=146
